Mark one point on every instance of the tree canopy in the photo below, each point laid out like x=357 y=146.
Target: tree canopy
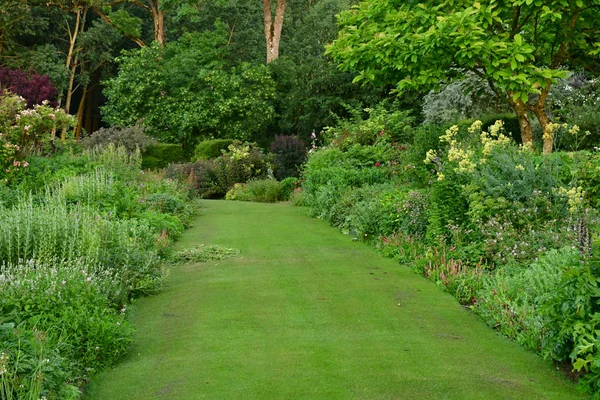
x=519 y=46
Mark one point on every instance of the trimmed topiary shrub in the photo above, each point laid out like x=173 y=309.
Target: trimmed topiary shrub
x=211 y=149
x=160 y=155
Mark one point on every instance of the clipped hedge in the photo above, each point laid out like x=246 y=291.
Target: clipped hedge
x=160 y=155
x=211 y=149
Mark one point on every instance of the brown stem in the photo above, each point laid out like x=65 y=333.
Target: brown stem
x=521 y=110
x=80 y=113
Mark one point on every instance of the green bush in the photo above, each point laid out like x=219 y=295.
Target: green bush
x=214 y=178
x=288 y=185
x=131 y=138
x=160 y=155
x=208 y=149
x=31 y=368
x=262 y=191
x=73 y=307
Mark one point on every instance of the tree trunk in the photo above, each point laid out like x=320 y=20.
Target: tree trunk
x=72 y=38
x=79 y=27
x=80 y=114
x=158 y=16
x=524 y=123
x=273 y=27
x=539 y=108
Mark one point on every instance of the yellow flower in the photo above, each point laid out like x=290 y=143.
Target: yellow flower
x=520 y=167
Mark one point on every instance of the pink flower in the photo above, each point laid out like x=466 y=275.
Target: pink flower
x=25 y=164
x=63 y=282
x=27 y=128
x=52 y=116
x=377 y=164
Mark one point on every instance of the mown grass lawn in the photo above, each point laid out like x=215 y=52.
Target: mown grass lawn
x=305 y=313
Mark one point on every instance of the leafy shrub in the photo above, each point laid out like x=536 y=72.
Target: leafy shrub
x=25 y=131
x=163 y=223
x=44 y=171
x=30 y=367
x=208 y=149
x=289 y=154
x=159 y=155
x=118 y=160
x=188 y=91
x=513 y=299
x=574 y=101
x=214 y=178
x=463 y=99
x=262 y=191
x=384 y=117
x=131 y=138
x=34 y=88
x=288 y=185
x=73 y=307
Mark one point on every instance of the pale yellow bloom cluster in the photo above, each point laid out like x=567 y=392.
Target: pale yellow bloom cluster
x=463 y=157
x=574 y=130
x=519 y=167
x=450 y=135
x=574 y=197
x=551 y=129
x=475 y=127
x=493 y=138
x=430 y=156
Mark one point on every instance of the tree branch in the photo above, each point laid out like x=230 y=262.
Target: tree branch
x=106 y=19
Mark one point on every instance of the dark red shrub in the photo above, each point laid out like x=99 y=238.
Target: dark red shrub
x=289 y=154
x=32 y=87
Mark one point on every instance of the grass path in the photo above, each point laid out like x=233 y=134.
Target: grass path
x=305 y=313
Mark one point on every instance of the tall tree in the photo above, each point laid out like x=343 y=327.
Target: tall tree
x=519 y=46
x=273 y=27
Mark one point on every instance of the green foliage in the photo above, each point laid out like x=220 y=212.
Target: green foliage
x=474 y=33
x=384 y=121
x=160 y=155
x=23 y=131
x=288 y=185
x=187 y=91
x=214 y=178
x=208 y=149
x=262 y=191
x=131 y=138
x=467 y=98
x=75 y=310
x=30 y=367
x=73 y=254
